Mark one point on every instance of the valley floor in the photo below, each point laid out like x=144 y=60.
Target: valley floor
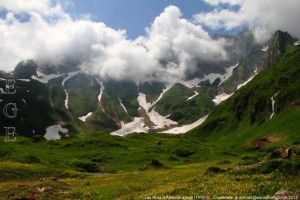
x=189 y=181
x=255 y=161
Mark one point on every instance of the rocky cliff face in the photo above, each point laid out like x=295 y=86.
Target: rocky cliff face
x=277 y=47
x=258 y=59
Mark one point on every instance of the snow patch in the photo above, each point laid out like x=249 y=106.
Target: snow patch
x=70 y=75
x=24 y=101
x=191 y=83
x=143 y=102
x=67 y=99
x=136 y=126
x=185 y=128
x=101 y=90
x=52 y=132
x=40 y=73
x=123 y=106
x=158 y=120
x=193 y=96
x=223 y=77
x=46 y=78
x=265 y=48
x=84 y=118
x=247 y=81
x=273 y=105
x=221 y=97
x=296 y=43
x=169 y=86
x=24 y=80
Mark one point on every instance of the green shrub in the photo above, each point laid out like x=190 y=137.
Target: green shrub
x=156 y=163
x=224 y=162
x=184 y=152
x=215 y=170
x=282 y=166
x=87 y=166
x=31 y=159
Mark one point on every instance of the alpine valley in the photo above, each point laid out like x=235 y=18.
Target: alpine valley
x=230 y=128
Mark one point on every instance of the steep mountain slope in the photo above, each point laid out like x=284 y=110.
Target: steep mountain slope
x=120 y=100
x=261 y=57
x=152 y=90
x=185 y=105
x=83 y=91
x=269 y=93
x=38 y=106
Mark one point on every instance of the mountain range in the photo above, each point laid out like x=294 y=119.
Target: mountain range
x=231 y=128
x=69 y=98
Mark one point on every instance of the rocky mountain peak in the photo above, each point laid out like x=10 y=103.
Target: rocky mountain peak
x=281 y=40
x=25 y=69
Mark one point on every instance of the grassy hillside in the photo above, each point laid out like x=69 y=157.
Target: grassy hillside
x=127 y=93
x=138 y=165
x=39 y=106
x=252 y=105
x=175 y=102
x=83 y=92
x=152 y=90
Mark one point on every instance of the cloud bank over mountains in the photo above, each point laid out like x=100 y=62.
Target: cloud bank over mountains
x=262 y=16
x=171 y=46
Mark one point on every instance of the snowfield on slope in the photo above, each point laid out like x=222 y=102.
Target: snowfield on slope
x=136 y=126
x=211 y=77
x=46 y=78
x=157 y=119
x=221 y=97
x=70 y=75
x=52 y=132
x=247 y=81
x=66 y=99
x=273 y=104
x=84 y=118
x=123 y=106
x=193 y=96
x=101 y=90
x=168 y=87
x=185 y=128
x=265 y=48
x=296 y=43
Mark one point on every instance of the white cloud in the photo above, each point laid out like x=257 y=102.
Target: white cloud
x=176 y=40
x=224 y=18
x=53 y=43
x=172 y=45
x=103 y=51
x=43 y=7
x=231 y=2
x=264 y=16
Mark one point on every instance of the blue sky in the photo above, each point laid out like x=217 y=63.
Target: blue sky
x=132 y=15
